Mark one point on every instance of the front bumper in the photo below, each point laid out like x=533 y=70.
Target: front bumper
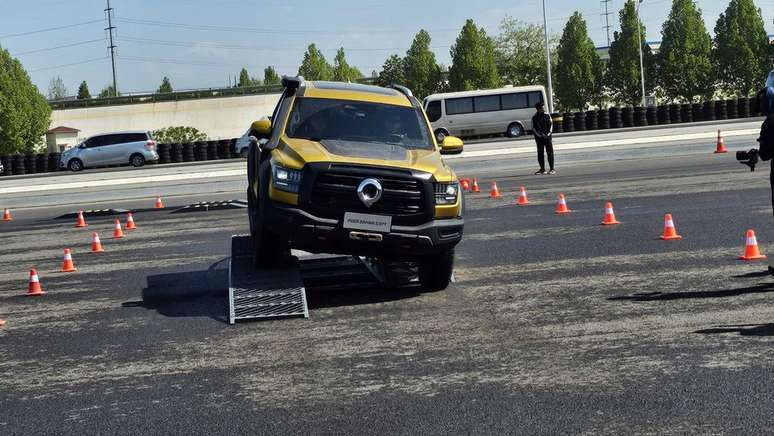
x=321 y=235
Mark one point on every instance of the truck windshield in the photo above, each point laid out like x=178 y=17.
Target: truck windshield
x=319 y=119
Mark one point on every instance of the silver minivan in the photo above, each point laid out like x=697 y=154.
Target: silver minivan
x=133 y=148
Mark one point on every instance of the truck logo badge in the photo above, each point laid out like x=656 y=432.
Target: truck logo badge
x=369 y=192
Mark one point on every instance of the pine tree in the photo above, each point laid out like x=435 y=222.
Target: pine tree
x=392 y=72
x=421 y=72
x=684 y=63
x=473 y=60
x=314 y=66
x=741 y=48
x=83 y=91
x=166 y=86
x=342 y=71
x=623 y=77
x=57 y=89
x=24 y=113
x=579 y=69
x=245 y=80
x=270 y=76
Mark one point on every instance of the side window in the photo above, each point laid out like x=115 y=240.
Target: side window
x=434 y=111
x=487 y=103
x=135 y=137
x=515 y=101
x=96 y=141
x=456 y=106
x=535 y=98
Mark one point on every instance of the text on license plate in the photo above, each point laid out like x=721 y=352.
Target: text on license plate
x=371 y=223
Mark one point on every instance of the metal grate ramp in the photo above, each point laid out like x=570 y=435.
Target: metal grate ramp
x=262 y=293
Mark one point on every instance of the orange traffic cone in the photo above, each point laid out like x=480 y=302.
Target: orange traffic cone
x=561 y=206
x=721 y=146
x=475 y=187
x=751 y=251
x=159 y=203
x=7 y=215
x=609 y=215
x=465 y=183
x=96 y=244
x=130 y=222
x=494 y=193
x=67 y=265
x=523 y=200
x=670 y=232
x=34 y=287
x=2 y=322
x=80 y=222
x=117 y=232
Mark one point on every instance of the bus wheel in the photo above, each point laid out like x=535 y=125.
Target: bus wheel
x=515 y=130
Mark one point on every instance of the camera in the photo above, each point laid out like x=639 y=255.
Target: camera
x=749 y=158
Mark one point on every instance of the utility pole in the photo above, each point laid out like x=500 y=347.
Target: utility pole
x=548 y=62
x=639 y=44
x=607 y=19
x=112 y=46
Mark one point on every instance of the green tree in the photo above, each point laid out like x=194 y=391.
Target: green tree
x=623 y=77
x=108 y=91
x=741 y=48
x=270 y=76
x=178 y=134
x=24 y=113
x=83 y=91
x=520 y=53
x=342 y=71
x=421 y=72
x=684 y=63
x=392 y=72
x=166 y=86
x=245 y=79
x=473 y=60
x=579 y=70
x=56 y=89
x=314 y=66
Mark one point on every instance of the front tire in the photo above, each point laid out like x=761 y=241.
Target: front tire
x=269 y=249
x=75 y=165
x=435 y=272
x=137 y=160
x=515 y=130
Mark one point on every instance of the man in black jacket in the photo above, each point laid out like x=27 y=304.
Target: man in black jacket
x=543 y=127
x=766 y=140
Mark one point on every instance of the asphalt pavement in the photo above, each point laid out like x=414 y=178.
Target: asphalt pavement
x=556 y=325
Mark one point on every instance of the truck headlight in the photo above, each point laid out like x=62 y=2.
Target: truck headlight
x=286 y=179
x=446 y=193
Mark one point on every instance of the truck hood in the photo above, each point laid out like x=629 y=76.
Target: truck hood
x=298 y=152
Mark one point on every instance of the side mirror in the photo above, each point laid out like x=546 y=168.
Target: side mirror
x=451 y=145
x=261 y=129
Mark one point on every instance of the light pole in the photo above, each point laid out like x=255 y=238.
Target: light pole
x=639 y=44
x=548 y=62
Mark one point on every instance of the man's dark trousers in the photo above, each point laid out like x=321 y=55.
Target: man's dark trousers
x=545 y=145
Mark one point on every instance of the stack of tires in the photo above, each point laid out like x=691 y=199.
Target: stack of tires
x=616 y=120
x=639 y=117
x=591 y=120
x=755 y=110
x=743 y=108
x=662 y=113
x=176 y=153
x=603 y=119
x=686 y=113
x=30 y=164
x=200 y=150
x=6 y=161
x=650 y=116
x=697 y=110
x=189 y=152
x=709 y=110
x=579 y=119
x=17 y=165
x=556 y=119
x=674 y=113
x=41 y=163
x=627 y=117
x=212 y=150
x=568 y=122
x=732 y=109
x=53 y=162
x=163 y=150
x=721 y=112
x=224 y=149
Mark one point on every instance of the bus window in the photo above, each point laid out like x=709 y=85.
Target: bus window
x=433 y=111
x=535 y=98
x=456 y=106
x=487 y=103
x=515 y=101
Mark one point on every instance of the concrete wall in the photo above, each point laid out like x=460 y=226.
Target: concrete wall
x=227 y=117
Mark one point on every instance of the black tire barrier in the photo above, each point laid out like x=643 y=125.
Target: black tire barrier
x=697 y=110
x=579 y=119
x=627 y=117
x=743 y=108
x=6 y=161
x=232 y=146
x=603 y=119
x=674 y=113
x=30 y=164
x=176 y=153
x=189 y=152
x=556 y=119
x=224 y=149
x=732 y=109
x=17 y=165
x=200 y=151
x=709 y=110
x=163 y=151
x=639 y=117
x=568 y=122
x=651 y=116
x=755 y=109
x=662 y=113
x=686 y=113
x=616 y=120
x=53 y=162
x=41 y=163
x=591 y=120
x=212 y=150
x=720 y=110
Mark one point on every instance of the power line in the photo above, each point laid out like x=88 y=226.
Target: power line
x=75 y=44
x=68 y=65
x=50 y=29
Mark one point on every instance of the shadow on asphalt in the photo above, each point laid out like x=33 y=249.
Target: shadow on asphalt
x=660 y=296
x=742 y=329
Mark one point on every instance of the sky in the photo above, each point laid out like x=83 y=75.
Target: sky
x=202 y=44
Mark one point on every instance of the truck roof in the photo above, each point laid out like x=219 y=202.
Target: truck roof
x=354 y=91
